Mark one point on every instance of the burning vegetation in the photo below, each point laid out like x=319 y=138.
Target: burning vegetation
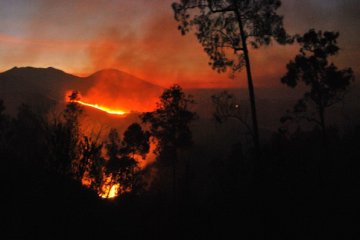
x=102 y=108
x=75 y=96
x=119 y=165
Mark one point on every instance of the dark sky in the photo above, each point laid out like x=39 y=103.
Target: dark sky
x=140 y=37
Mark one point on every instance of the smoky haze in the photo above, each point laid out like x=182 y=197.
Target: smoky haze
x=141 y=38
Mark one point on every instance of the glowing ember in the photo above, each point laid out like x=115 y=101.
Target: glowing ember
x=102 y=108
x=111 y=191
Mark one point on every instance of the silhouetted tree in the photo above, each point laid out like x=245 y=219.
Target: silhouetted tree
x=90 y=163
x=112 y=150
x=226 y=27
x=113 y=144
x=30 y=136
x=136 y=141
x=65 y=137
x=327 y=84
x=169 y=124
x=122 y=164
x=72 y=112
x=226 y=107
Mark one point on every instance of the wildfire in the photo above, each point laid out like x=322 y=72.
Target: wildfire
x=102 y=108
x=110 y=191
x=80 y=100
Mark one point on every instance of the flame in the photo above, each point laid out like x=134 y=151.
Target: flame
x=108 y=110
x=109 y=188
x=110 y=191
x=102 y=108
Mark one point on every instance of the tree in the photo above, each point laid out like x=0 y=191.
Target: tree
x=30 y=137
x=136 y=141
x=226 y=27
x=327 y=84
x=226 y=107
x=112 y=151
x=90 y=163
x=65 y=138
x=169 y=124
x=122 y=164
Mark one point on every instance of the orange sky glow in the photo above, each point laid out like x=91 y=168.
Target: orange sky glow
x=141 y=38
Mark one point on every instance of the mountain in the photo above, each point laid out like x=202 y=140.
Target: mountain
x=117 y=89
x=33 y=86
x=113 y=80
x=43 y=86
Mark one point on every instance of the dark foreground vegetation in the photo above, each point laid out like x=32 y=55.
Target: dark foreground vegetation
x=303 y=183
x=297 y=188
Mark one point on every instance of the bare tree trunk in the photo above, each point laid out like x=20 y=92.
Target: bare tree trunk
x=250 y=83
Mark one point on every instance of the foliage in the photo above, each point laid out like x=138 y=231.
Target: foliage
x=72 y=112
x=226 y=27
x=226 y=107
x=91 y=163
x=30 y=137
x=122 y=165
x=219 y=25
x=327 y=84
x=65 y=138
x=136 y=141
x=169 y=123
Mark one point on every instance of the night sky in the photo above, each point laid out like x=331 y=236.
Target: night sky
x=141 y=37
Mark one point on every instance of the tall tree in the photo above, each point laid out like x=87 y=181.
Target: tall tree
x=226 y=107
x=112 y=150
x=30 y=136
x=90 y=163
x=327 y=84
x=225 y=28
x=136 y=141
x=123 y=164
x=169 y=124
x=65 y=137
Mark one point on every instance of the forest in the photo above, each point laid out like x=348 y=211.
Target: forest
x=174 y=172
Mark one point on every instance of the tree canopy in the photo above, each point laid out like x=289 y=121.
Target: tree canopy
x=169 y=123
x=226 y=27
x=326 y=83
x=219 y=26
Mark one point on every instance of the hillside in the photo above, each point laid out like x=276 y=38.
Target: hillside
x=40 y=87
x=34 y=86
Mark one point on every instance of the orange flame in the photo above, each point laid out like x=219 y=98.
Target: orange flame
x=103 y=108
x=110 y=191
x=108 y=110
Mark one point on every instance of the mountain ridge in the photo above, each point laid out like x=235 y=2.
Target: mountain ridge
x=30 y=85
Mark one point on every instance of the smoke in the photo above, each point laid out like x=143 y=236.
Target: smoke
x=141 y=38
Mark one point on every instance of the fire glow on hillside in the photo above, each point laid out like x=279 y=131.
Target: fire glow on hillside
x=81 y=101
x=102 y=108
x=110 y=187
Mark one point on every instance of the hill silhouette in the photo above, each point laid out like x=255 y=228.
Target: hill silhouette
x=40 y=87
